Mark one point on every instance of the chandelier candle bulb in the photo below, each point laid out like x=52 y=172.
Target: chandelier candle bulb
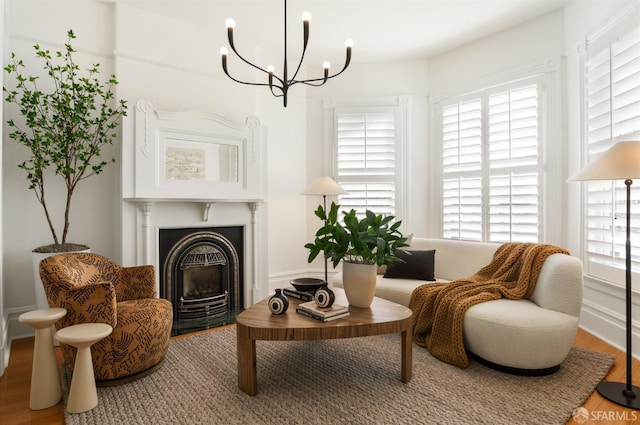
x=230 y=23
x=270 y=71
x=223 y=53
x=306 y=17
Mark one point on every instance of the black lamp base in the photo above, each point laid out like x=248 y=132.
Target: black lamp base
x=617 y=393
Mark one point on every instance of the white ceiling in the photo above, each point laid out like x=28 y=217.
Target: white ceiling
x=382 y=30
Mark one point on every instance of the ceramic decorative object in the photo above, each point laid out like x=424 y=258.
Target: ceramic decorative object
x=307 y=284
x=278 y=303
x=359 y=281
x=324 y=297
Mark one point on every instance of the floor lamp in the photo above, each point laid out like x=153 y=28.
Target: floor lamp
x=620 y=162
x=324 y=186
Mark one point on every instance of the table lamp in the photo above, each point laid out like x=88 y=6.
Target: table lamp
x=324 y=186
x=620 y=162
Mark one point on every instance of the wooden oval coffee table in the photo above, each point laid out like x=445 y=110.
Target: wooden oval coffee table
x=257 y=323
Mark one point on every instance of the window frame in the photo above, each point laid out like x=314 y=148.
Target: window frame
x=485 y=173
x=399 y=105
x=363 y=178
x=596 y=266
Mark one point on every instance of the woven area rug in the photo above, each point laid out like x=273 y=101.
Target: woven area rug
x=348 y=381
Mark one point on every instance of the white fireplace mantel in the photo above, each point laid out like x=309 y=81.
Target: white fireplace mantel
x=192 y=169
x=204 y=203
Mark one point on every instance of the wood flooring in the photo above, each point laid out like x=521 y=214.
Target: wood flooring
x=16 y=381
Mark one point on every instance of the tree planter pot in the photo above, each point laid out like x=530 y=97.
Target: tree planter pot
x=359 y=281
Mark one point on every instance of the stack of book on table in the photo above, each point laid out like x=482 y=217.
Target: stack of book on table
x=324 y=314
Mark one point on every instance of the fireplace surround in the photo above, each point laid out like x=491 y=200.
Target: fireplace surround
x=201 y=274
x=186 y=172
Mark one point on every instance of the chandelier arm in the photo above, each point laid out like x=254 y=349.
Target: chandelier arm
x=233 y=48
x=323 y=80
x=256 y=67
x=314 y=80
x=274 y=93
x=305 y=41
x=327 y=77
x=299 y=65
x=248 y=83
x=309 y=83
x=224 y=68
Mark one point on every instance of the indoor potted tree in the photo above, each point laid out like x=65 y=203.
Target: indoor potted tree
x=64 y=128
x=362 y=244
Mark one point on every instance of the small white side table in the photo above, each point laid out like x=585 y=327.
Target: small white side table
x=82 y=394
x=45 y=379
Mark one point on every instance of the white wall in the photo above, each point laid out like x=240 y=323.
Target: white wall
x=532 y=48
x=426 y=82
x=4 y=318
x=286 y=153
x=367 y=84
x=518 y=46
x=375 y=84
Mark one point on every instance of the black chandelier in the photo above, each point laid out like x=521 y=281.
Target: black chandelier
x=280 y=87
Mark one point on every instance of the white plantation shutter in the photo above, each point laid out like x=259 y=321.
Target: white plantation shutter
x=491 y=166
x=366 y=160
x=612 y=112
x=462 y=137
x=462 y=166
x=513 y=208
x=462 y=208
x=513 y=164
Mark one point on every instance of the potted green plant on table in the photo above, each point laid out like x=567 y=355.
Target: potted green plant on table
x=67 y=119
x=362 y=243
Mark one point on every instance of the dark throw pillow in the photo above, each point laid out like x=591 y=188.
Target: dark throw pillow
x=417 y=265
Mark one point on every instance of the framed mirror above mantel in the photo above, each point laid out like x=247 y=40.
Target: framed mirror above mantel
x=193 y=155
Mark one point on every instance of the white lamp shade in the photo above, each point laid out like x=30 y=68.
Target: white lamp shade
x=324 y=185
x=620 y=162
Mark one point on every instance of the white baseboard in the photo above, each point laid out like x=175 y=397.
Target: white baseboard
x=13 y=329
x=19 y=330
x=5 y=344
x=610 y=326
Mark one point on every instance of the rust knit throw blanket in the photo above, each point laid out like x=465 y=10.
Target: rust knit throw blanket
x=439 y=308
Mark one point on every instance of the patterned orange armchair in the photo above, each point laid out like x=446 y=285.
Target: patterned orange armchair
x=94 y=289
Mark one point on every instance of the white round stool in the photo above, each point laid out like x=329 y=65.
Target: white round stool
x=82 y=394
x=45 y=379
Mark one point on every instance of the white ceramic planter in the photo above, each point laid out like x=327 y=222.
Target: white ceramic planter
x=359 y=282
